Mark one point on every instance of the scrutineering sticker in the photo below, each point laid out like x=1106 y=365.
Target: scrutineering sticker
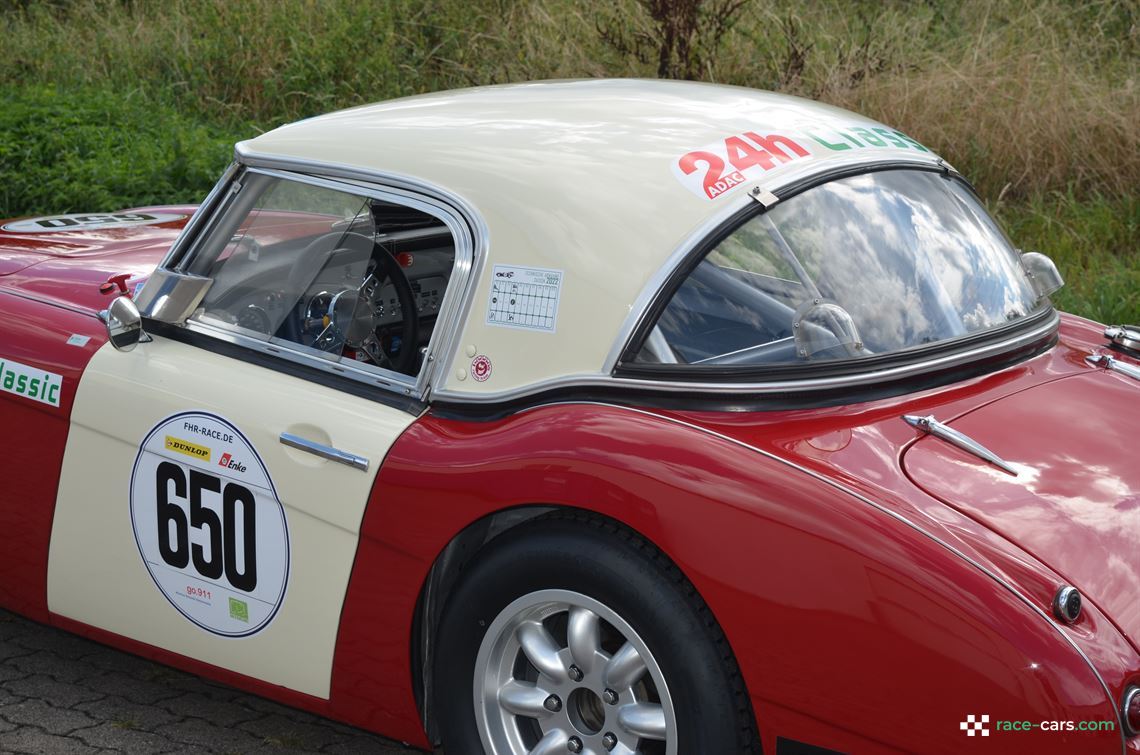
x=209 y=525
x=524 y=297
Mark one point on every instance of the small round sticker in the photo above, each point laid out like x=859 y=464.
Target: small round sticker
x=208 y=524
x=481 y=368
x=89 y=222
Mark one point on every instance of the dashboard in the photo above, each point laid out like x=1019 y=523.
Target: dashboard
x=289 y=290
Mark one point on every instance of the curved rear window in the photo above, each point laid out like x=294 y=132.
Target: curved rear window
x=861 y=266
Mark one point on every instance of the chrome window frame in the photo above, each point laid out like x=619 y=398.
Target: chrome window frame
x=658 y=290
x=723 y=220
x=472 y=251
x=466 y=227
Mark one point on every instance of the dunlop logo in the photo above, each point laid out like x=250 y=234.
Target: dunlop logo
x=187 y=448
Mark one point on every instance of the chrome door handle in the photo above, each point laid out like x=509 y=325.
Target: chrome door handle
x=325 y=452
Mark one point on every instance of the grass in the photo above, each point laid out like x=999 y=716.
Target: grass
x=112 y=103
x=1094 y=243
x=97 y=150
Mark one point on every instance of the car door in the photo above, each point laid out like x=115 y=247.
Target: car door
x=215 y=476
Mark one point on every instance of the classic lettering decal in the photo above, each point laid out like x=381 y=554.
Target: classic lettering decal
x=57 y=223
x=29 y=382
x=208 y=524
x=717 y=168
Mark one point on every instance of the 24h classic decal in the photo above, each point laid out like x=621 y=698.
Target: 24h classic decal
x=717 y=168
x=208 y=524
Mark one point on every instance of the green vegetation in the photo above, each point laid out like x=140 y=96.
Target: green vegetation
x=111 y=103
x=98 y=150
x=1096 y=244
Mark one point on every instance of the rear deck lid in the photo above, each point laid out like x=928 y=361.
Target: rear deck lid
x=1075 y=500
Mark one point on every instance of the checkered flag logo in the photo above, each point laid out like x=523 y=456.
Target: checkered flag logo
x=975 y=726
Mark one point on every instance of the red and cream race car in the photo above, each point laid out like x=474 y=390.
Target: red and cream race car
x=588 y=417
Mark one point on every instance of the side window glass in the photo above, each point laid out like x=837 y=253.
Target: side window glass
x=337 y=275
x=743 y=294
x=880 y=263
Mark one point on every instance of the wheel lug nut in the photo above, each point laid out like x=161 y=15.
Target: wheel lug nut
x=610 y=697
x=574 y=744
x=552 y=704
x=609 y=741
x=575 y=673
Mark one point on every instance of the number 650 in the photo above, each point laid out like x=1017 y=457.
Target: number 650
x=177 y=552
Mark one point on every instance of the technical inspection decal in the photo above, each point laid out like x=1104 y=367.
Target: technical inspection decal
x=208 y=524
x=524 y=297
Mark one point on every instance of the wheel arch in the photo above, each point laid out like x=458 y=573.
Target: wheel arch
x=769 y=551
x=463 y=549
x=439 y=583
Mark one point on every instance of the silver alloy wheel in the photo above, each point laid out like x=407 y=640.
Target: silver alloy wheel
x=560 y=672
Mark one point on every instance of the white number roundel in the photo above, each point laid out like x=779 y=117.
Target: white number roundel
x=208 y=524
x=89 y=222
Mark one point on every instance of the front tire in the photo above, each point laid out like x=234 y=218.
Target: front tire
x=570 y=634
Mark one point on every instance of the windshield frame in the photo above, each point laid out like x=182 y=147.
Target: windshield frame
x=938 y=356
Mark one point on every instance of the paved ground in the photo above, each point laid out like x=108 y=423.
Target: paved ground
x=63 y=694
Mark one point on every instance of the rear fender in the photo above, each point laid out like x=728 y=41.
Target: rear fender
x=822 y=596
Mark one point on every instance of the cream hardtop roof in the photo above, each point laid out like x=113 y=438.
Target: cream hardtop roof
x=598 y=181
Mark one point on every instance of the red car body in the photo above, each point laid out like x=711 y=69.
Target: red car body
x=878 y=587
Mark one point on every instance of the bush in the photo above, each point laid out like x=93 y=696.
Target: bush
x=98 y=150
x=112 y=103
x=1024 y=96
x=1094 y=243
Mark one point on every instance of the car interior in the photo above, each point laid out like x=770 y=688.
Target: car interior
x=334 y=284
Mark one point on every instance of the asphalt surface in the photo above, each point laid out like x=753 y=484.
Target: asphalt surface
x=63 y=694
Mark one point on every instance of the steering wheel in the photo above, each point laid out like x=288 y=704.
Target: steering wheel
x=353 y=313
x=386 y=264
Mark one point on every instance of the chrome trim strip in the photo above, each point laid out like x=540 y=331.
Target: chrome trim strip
x=325 y=452
x=1115 y=365
x=288 y=351
x=172 y=297
x=50 y=301
x=1000 y=580
x=931 y=426
x=657 y=281
x=779 y=386
x=205 y=209
x=441 y=360
x=459 y=234
x=465 y=226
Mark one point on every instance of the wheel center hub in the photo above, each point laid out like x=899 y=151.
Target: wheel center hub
x=586 y=711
